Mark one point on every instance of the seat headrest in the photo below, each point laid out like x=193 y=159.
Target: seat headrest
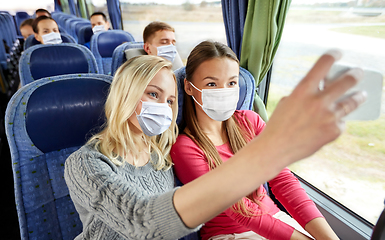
x=60 y=114
x=31 y=40
x=109 y=40
x=57 y=60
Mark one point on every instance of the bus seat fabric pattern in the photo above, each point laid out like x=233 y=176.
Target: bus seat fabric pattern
x=44 y=207
x=119 y=54
x=31 y=40
x=103 y=45
x=50 y=60
x=246 y=90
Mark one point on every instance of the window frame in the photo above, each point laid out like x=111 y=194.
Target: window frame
x=345 y=223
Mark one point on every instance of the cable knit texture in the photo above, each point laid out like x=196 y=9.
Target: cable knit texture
x=122 y=202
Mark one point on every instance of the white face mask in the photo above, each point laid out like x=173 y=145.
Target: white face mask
x=168 y=52
x=154 y=118
x=52 y=38
x=220 y=103
x=98 y=28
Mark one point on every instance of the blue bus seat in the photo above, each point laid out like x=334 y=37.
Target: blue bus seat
x=46 y=121
x=84 y=35
x=71 y=26
x=10 y=49
x=119 y=55
x=50 y=60
x=246 y=90
x=31 y=40
x=103 y=45
x=19 y=18
x=8 y=29
x=78 y=26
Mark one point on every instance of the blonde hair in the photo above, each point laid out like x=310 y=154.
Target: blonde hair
x=127 y=88
x=237 y=134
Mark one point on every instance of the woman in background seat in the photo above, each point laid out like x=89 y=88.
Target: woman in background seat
x=46 y=30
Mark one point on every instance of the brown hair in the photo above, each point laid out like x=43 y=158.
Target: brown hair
x=237 y=134
x=37 y=20
x=27 y=22
x=153 y=27
x=42 y=10
x=101 y=14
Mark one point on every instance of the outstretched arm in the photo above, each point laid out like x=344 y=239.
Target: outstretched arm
x=301 y=124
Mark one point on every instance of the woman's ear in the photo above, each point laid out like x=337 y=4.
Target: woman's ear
x=187 y=87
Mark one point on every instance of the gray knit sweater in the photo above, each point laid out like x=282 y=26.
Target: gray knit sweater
x=122 y=202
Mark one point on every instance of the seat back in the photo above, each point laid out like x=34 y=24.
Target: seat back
x=50 y=60
x=46 y=121
x=7 y=25
x=20 y=17
x=103 y=45
x=246 y=90
x=84 y=35
x=73 y=26
x=119 y=54
x=31 y=40
x=78 y=26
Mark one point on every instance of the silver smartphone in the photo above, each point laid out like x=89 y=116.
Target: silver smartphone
x=371 y=84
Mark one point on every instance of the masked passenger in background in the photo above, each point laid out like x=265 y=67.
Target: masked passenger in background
x=46 y=30
x=159 y=40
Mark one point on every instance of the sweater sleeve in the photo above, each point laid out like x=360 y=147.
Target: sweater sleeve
x=95 y=186
x=288 y=191
x=190 y=163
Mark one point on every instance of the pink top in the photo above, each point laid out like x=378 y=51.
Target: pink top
x=190 y=163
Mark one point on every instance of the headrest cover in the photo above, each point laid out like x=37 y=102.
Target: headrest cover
x=65 y=114
x=57 y=60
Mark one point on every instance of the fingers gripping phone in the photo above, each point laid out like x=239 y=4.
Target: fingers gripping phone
x=371 y=83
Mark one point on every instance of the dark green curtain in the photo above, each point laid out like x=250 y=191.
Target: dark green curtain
x=261 y=36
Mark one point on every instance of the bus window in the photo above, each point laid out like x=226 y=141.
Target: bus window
x=351 y=169
x=193 y=23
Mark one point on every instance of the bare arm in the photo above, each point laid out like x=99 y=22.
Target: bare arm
x=320 y=229
x=301 y=124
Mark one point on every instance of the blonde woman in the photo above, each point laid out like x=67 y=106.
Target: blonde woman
x=121 y=182
x=213 y=131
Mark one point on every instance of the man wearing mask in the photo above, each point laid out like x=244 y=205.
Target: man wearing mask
x=159 y=39
x=99 y=22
